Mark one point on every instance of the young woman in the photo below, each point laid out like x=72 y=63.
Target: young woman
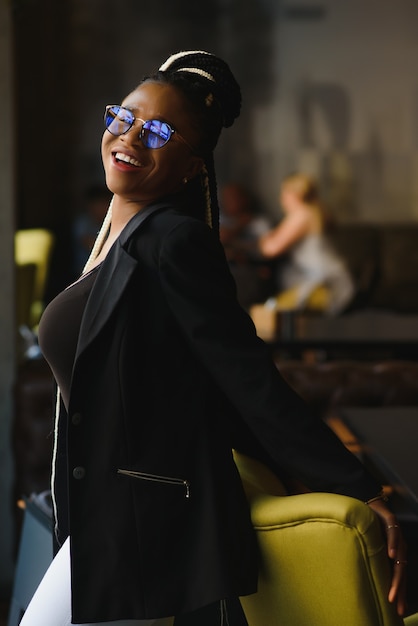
x=312 y=273
x=161 y=374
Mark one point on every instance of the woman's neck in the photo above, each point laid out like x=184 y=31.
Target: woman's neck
x=122 y=212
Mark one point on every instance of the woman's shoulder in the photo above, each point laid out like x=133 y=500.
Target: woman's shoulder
x=170 y=228
x=173 y=223
x=173 y=217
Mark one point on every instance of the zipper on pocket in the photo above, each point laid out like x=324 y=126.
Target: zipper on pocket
x=168 y=480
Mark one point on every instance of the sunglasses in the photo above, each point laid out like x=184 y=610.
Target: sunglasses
x=154 y=134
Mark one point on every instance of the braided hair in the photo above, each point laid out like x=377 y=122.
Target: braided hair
x=214 y=96
x=215 y=99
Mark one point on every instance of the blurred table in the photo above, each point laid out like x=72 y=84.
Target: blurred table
x=364 y=334
x=388 y=440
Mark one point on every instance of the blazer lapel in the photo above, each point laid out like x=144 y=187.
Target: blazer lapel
x=111 y=280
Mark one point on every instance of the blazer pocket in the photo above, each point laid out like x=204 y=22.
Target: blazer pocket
x=167 y=480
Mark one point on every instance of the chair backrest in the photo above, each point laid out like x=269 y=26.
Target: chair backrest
x=25 y=289
x=34 y=247
x=322 y=558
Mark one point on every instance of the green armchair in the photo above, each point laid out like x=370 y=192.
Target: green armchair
x=323 y=558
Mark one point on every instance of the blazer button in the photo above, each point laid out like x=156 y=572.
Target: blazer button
x=79 y=473
x=76 y=419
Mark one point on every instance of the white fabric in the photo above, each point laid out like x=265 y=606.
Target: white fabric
x=313 y=262
x=51 y=603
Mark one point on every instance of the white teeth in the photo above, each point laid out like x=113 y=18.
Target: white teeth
x=124 y=157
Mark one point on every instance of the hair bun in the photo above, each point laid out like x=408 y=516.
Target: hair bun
x=212 y=71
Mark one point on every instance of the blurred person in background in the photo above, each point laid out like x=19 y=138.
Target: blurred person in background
x=241 y=225
x=310 y=273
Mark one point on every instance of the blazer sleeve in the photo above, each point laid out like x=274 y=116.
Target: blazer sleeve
x=200 y=292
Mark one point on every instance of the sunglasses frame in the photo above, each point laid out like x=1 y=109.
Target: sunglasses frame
x=172 y=130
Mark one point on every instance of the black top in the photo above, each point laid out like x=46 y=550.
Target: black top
x=59 y=329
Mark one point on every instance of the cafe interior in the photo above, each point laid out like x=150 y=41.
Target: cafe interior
x=329 y=89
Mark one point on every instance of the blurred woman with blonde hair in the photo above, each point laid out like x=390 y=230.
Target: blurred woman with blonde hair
x=313 y=276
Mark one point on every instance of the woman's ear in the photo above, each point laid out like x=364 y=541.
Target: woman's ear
x=194 y=168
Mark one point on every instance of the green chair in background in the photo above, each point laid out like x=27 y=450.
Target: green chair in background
x=33 y=249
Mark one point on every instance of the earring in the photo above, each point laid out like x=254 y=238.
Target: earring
x=185 y=180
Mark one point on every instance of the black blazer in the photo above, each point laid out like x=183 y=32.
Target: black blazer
x=169 y=376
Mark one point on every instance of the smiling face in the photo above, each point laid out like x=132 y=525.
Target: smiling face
x=142 y=175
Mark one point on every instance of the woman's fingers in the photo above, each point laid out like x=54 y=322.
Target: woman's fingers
x=397 y=553
x=397 y=592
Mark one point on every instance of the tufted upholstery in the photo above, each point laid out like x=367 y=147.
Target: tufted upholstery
x=329 y=385
x=322 y=557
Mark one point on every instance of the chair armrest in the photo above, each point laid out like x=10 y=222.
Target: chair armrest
x=323 y=559
x=269 y=513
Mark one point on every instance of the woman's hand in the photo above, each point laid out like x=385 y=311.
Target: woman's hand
x=396 y=551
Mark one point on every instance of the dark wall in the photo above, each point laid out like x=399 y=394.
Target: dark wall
x=73 y=57
x=44 y=132
x=43 y=99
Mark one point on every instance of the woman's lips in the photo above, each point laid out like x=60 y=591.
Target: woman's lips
x=125 y=161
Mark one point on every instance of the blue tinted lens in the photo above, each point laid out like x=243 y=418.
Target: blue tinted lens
x=118 y=120
x=155 y=133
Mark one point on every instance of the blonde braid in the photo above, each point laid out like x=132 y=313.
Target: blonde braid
x=100 y=239
x=181 y=55
x=54 y=459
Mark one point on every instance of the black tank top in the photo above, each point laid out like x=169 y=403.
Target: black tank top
x=59 y=329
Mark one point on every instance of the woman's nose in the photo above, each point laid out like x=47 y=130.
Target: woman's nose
x=133 y=136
